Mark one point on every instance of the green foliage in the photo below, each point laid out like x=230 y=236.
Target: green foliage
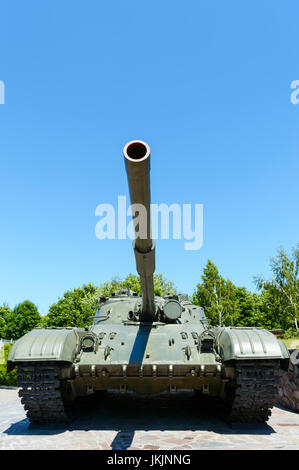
x=291 y=333
x=162 y=286
x=256 y=310
x=249 y=306
x=75 y=308
x=217 y=296
x=283 y=290
x=4 y=314
x=21 y=320
x=6 y=378
x=276 y=306
x=78 y=306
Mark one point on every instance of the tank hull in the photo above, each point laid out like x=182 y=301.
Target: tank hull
x=147 y=358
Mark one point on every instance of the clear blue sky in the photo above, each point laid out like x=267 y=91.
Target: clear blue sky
x=206 y=84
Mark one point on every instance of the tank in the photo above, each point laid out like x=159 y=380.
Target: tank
x=147 y=344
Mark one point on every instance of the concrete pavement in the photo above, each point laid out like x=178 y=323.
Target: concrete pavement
x=130 y=422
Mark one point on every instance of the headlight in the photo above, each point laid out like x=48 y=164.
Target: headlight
x=88 y=343
x=172 y=309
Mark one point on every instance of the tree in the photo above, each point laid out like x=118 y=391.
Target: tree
x=7 y=378
x=21 y=320
x=4 y=313
x=255 y=310
x=248 y=307
x=77 y=307
x=162 y=286
x=283 y=290
x=217 y=296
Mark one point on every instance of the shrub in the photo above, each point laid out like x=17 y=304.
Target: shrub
x=291 y=333
x=6 y=378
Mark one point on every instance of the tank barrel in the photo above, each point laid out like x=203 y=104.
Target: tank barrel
x=137 y=161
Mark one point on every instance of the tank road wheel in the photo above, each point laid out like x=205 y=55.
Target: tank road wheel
x=255 y=392
x=45 y=397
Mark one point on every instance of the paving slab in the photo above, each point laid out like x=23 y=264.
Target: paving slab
x=180 y=422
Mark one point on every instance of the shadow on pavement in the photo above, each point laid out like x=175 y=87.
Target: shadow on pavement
x=126 y=413
x=122 y=440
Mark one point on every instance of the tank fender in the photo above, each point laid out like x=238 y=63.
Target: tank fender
x=45 y=344
x=246 y=343
x=286 y=355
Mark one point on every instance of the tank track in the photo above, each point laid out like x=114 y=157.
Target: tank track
x=41 y=392
x=256 y=391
